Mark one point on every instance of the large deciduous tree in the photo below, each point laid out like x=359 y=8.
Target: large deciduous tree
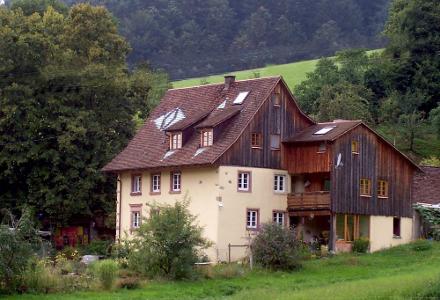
x=67 y=106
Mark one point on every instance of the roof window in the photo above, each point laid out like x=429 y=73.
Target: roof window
x=240 y=98
x=324 y=130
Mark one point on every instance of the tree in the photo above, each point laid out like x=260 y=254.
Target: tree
x=67 y=106
x=435 y=119
x=168 y=242
x=344 y=101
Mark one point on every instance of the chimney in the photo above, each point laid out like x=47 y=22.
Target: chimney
x=229 y=80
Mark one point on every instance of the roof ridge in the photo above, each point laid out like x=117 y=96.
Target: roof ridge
x=222 y=83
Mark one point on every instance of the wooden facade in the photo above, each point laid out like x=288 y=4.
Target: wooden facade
x=377 y=160
x=307 y=158
x=284 y=120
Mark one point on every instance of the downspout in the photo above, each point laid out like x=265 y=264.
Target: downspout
x=119 y=199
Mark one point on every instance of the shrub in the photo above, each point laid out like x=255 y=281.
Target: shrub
x=106 y=271
x=129 y=283
x=97 y=247
x=361 y=245
x=167 y=243
x=421 y=245
x=19 y=241
x=40 y=277
x=275 y=247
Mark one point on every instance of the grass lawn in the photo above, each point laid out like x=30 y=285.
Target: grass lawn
x=398 y=273
x=293 y=73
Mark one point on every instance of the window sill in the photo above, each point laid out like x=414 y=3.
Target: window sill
x=366 y=196
x=175 y=192
x=280 y=192
x=382 y=197
x=243 y=191
x=136 y=194
x=320 y=152
x=155 y=193
x=355 y=153
x=256 y=147
x=397 y=237
x=275 y=149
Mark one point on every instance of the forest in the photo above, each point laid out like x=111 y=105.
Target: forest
x=199 y=37
x=76 y=81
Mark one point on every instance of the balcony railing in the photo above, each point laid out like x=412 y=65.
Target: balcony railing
x=310 y=200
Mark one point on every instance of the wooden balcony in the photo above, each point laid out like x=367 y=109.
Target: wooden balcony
x=309 y=201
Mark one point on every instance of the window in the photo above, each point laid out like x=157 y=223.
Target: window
x=324 y=130
x=382 y=188
x=155 y=183
x=136 y=215
x=252 y=216
x=322 y=148
x=206 y=138
x=240 y=98
x=257 y=140
x=326 y=185
x=275 y=141
x=365 y=187
x=176 y=181
x=176 y=140
x=279 y=183
x=352 y=227
x=278 y=217
x=396 y=227
x=244 y=181
x=355 y=147
x=136 y=184
x=276 y=99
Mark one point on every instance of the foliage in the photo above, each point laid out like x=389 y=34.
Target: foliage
x=431 y=161
x=67 y=104
x=421 y=245
x=361 y=245
x=18 y=242
x=106 y=271
x=167 y=243
x=129 y=283
x=275 y=247
x=97 y=247
x=432 y=217
x=225 y=271
x=39 y=277
x=216 y=36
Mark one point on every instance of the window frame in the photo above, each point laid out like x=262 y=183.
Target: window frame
x=366 y=189
x=258 y=138
x=279 y=142
x=154 y=191
x=176 y=143
x=276 y=183
x=382 y=191
x=256 y=221
x=172 y=183
x=322 y=147
x=139 y=185
x=209 y=139
x=135 y=209
x=249 y=181
x=275 y=218
x=355 y=147
x=276 y=99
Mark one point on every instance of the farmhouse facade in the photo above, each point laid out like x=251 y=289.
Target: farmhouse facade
x=243 y=153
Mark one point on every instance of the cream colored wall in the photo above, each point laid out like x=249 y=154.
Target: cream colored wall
x=381 y=232
x=232 y=215
x=201 y=186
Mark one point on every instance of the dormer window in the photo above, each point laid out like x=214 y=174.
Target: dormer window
x=175 y=140
x=206 y=137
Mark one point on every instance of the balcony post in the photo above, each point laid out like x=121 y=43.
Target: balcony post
x=332 y=235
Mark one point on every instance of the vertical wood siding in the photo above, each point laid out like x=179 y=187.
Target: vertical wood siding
x=376 y=161
x=285 y=120
x=304 y=158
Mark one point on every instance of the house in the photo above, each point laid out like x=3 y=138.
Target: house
x=244 y=153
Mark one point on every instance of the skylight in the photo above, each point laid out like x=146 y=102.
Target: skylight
x=240 y=98
x=324 y=130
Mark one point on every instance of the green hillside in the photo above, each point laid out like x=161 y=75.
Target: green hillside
x=293 y=73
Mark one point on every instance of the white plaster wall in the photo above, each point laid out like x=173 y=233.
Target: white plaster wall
x=381 y=232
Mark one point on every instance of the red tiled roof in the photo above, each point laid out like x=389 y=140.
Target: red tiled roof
x=149 y=147
x=219 y=116
x=426 y=186
x=340 y=127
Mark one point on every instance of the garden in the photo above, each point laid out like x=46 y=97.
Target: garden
x=161 y=262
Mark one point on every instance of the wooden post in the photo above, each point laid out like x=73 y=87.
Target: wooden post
x=229 y=252
x=332 y=237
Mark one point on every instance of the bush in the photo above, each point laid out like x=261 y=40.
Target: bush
x=129 y=283
x=275 y=247
x=168 y=243
x=361 y=245
x=106 y=271
x=97 y=247
x=421 y=245
x=19 y=241
x=40 y=277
